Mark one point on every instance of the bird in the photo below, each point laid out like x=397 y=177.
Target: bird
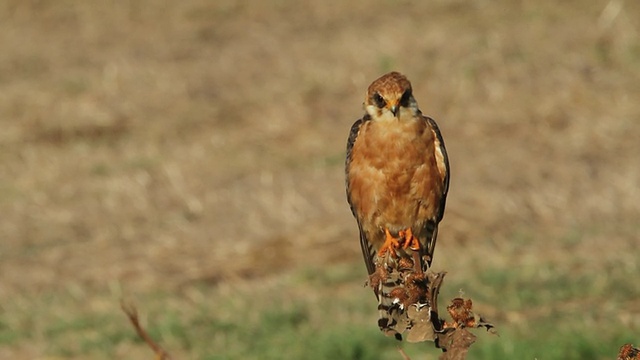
x=397 y=180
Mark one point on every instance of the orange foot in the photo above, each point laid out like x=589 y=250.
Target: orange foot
x=410 y=241
x=390 y=244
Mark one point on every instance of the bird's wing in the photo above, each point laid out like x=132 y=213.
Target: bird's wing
x=367 y=250
x=430 y=229
x=442 y=160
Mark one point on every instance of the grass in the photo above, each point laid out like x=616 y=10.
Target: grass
x=327 y=313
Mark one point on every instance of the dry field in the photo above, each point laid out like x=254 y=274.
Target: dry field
x=189 y=154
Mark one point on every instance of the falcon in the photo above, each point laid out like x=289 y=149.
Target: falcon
x=397 y=178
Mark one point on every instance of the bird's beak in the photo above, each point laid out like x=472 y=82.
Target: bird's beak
x=394 y=109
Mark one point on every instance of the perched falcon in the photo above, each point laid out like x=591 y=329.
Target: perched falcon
x=397 y=178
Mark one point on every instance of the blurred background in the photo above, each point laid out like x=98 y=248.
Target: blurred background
x=189 y=156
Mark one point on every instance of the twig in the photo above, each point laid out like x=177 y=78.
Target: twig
x=403 y=354
x=131 y=312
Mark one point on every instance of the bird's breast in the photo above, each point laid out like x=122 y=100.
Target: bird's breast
x=391 y=172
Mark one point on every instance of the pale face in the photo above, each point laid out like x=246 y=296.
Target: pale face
x=390 y=97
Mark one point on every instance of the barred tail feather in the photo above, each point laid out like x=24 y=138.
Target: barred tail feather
x=393 y=319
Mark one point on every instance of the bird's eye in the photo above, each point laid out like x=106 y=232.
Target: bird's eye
x=379 y=100
x=404 y=100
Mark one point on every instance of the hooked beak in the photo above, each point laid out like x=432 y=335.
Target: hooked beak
x=395 y=109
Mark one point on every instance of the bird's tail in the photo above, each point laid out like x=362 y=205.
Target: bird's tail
x=430 y=234
x=392 y=319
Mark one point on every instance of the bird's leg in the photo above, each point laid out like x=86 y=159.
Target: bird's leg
x=390 y=244
x=410 y=241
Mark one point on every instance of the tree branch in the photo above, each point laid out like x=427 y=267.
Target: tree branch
x=130 y=310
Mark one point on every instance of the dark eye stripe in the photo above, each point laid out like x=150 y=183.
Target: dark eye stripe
x=379 y=100
x=404 y=100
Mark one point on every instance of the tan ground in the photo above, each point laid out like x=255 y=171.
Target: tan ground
x=149 y=145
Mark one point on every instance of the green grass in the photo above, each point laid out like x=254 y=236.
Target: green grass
x=328 y=314
x=549 y=342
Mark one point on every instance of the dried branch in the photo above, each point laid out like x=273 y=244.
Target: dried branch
x=455 y=343
x=131 y=312
x=416 y=298
x=403 y=354
x=455 y=340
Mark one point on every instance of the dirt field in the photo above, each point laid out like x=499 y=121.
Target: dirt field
x=157 y=146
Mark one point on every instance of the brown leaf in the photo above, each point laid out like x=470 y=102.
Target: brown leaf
x=628 y=352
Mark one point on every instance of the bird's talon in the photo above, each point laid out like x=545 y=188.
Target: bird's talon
x=390 y=244
x=410 y=241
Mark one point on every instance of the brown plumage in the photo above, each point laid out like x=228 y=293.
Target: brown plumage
x=397 y=178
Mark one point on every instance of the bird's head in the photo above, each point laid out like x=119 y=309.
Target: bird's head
x=390 y=96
